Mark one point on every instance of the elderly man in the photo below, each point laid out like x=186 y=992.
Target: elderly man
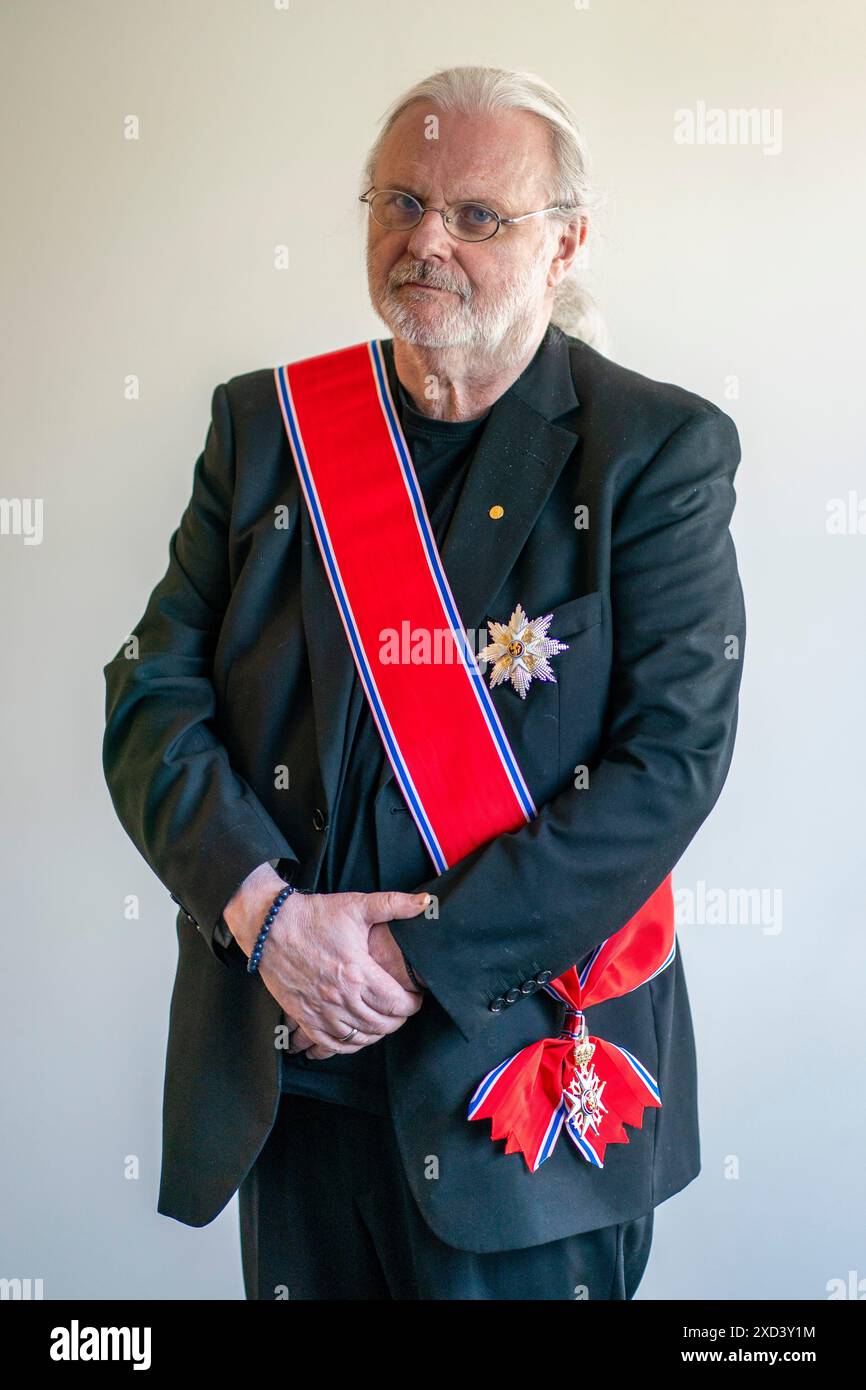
x=430 y=1019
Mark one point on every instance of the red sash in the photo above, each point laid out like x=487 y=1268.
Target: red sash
x=444 y=739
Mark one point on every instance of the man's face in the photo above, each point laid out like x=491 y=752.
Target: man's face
x=484 y=296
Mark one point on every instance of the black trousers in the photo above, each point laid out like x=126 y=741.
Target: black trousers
x=326 y=1213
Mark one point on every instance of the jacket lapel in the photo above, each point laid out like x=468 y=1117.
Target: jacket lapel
x=517 y=461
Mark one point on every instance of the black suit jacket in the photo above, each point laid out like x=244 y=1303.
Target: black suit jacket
x=243 y=667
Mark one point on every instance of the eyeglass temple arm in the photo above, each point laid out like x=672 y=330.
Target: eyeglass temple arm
x=558 y=207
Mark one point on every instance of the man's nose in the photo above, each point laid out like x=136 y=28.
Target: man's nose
x=430 y=238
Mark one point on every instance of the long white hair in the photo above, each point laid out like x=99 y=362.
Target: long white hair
x=473 y=90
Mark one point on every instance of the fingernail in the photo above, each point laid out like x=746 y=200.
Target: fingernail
x=422 y=899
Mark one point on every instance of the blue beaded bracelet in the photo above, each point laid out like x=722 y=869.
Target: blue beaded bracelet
x=256 y=953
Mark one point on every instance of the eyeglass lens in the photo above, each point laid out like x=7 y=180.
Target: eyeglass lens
x=399 y=211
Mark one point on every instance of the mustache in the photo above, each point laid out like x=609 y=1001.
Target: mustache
x=426 y=275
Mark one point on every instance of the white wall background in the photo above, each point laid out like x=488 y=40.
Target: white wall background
x=155 y=257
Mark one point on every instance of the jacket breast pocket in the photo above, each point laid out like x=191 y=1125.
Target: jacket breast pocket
x=576 y=615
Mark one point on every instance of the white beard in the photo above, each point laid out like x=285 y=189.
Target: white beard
x=502 y=330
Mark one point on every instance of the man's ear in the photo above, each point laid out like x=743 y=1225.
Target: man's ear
x=572 y=236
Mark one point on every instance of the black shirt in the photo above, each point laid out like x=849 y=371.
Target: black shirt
x=441 y=452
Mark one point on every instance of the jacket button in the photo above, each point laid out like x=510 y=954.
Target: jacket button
x=543 y=976
x=512 y=995
x=496 y=1006
x=529 y=986
x=319 y=819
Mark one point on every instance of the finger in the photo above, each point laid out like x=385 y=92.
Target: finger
x=326 y=1025
x=386 y=996
x=387 y=1007
x=346 y=1045
x=331 y=1039
x=330 y=1032
x=368 y=1018
x=387 y=907
x=346 y=1007
x=327 y=1045
x=377 y=1004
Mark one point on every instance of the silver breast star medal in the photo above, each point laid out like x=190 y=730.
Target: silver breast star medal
x=520 y=650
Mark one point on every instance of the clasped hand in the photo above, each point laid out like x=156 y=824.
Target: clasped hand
x=331 y=963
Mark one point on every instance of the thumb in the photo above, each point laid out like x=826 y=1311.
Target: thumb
x=384 y=907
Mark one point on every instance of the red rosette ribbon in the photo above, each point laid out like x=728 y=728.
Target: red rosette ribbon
x=591 y=1087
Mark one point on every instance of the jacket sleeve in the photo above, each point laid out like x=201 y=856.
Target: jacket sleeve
x=194 y=819
x=538 y=899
